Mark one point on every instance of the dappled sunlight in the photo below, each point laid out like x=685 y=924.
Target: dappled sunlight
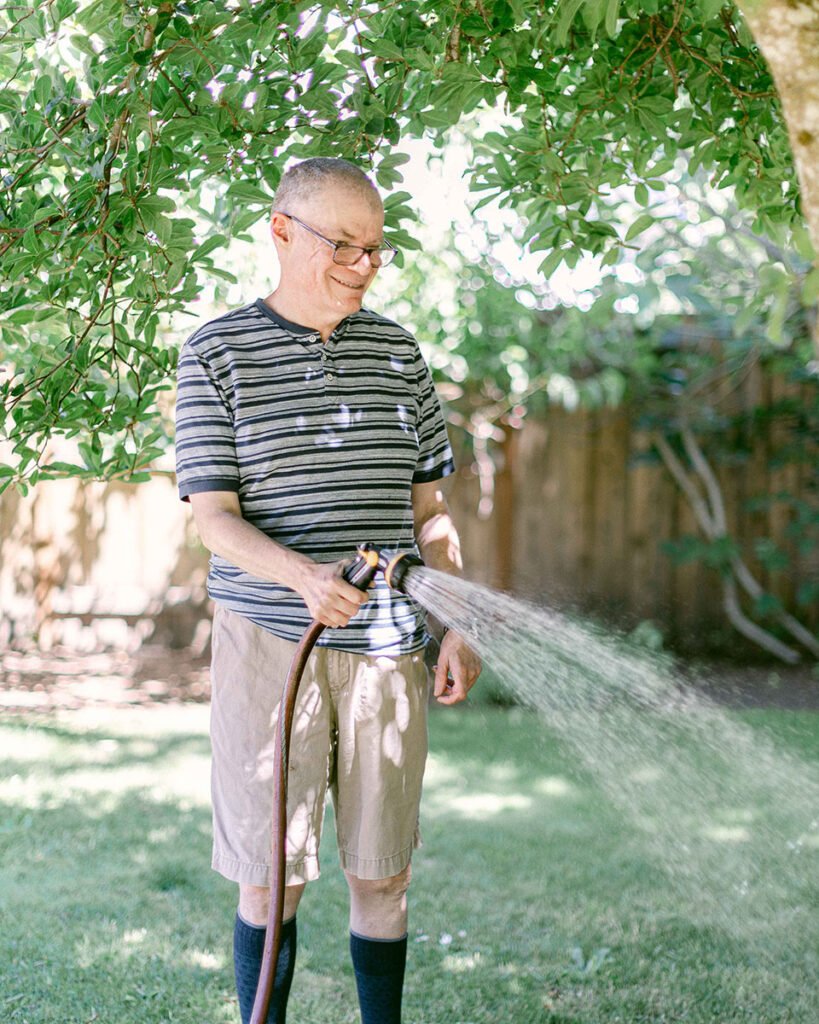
x=481 y=806
x=207 y=960
x=496 y=789
x=645 y=774
x=47 y=765
x=461 y=963
x=187 y=776
x=301 y=840
x=392 y=745
x=727 y=833
x=554 y=785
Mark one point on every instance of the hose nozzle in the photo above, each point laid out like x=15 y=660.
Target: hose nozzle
x=369 y=560
x=395 y=565
x=361 y=571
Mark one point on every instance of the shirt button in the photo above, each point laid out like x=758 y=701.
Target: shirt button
x=331 y=376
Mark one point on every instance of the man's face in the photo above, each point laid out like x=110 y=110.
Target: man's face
x=342 y=214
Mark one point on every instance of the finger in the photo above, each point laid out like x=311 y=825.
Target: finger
x=347 y=588
x=441 y=678
x=456 y=692
x=352 y=595
x=336 y=612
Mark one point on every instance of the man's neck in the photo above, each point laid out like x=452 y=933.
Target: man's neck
x=293 y=310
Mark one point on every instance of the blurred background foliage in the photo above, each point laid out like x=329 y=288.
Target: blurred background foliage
x=634 y=234
x=137 y=140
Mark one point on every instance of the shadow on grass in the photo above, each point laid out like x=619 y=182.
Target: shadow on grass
x=112 y=916
x=96 y=748
x=533 y=900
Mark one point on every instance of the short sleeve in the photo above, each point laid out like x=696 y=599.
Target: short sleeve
x=434 y=452
x=205 y=440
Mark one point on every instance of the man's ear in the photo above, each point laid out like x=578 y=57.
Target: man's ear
x=280 y=227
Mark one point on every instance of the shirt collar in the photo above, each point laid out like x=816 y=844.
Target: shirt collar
x=299 y=330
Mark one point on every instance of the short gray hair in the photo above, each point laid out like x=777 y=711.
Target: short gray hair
x=305 y=179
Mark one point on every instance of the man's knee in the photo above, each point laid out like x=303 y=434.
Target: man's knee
x=254 y=902
x=392 y=888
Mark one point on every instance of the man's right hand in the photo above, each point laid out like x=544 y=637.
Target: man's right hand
x=330 y=599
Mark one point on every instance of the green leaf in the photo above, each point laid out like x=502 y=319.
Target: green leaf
x=612 y=15
x=810 y=287
x=247 y=192
x=710 y=8
x=568 y=11
x=638 y=226
x=208 y=246
x=43 y=90
x=551 y=263
x=384 y=48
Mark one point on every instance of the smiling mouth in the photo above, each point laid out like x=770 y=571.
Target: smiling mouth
x=352 y=287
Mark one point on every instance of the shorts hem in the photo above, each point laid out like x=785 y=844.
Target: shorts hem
x=250 y=873
x=377 y=868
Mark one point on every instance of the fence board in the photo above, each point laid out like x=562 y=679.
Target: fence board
x=576 y=521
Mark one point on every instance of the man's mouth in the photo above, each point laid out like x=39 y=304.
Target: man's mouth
x=352 y=287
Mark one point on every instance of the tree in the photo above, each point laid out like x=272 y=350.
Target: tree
x=137 y=139
x=707 y=307
x=787 y=32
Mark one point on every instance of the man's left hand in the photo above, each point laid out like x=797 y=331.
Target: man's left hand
x=457 y=670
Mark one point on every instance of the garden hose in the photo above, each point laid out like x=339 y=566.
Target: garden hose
x=360 y=573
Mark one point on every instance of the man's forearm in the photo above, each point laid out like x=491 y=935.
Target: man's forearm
x=239 y=542
x=439 y=543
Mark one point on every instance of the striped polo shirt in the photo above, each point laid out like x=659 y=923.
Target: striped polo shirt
x=322 y=442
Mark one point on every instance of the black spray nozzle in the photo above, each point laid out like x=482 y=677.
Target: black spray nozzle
x=368 y=560
x=395 y=565
x=361 y=571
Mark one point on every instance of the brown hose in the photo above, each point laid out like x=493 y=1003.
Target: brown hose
x=359 y=573
x=278 y=827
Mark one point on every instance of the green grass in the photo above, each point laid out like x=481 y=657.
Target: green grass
x=109 y=911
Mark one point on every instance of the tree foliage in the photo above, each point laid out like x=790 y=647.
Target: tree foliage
x=676 y=334
x=138 y=138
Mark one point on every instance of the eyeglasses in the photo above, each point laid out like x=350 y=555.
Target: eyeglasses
x=347 y=255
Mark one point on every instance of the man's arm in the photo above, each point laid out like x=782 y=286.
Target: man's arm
x=224 y=531
x=441 y=549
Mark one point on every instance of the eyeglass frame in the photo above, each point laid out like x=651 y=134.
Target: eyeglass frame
x=385 y=246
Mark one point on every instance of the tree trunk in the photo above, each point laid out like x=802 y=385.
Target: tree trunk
x=787 y=32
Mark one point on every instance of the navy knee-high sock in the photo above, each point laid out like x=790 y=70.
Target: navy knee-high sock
x=248 y=946
x=379 y=976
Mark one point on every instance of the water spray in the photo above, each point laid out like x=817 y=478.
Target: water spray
x=369 y=560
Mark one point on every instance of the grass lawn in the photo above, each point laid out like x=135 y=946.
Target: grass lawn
x=533 y=900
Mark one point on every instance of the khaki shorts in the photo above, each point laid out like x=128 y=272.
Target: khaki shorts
x=360 y=725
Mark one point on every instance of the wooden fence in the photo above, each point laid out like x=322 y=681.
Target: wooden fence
x=580 y=518
x=576 y=520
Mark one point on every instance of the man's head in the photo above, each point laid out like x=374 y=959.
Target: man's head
x=336 y=199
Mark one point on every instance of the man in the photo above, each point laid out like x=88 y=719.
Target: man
x=305 y=425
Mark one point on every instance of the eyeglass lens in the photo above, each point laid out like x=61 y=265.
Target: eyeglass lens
x=349 y=254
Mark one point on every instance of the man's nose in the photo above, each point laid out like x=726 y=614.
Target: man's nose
x=369 y=265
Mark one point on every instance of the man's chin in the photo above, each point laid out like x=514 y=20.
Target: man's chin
x=352 y=300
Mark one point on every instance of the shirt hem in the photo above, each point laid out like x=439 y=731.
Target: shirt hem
x=210 y=484
x=434 y=474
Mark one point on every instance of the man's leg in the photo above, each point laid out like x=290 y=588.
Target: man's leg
x=378 y=944
x=248 y=947
x=382 y=747
x=247 y=674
